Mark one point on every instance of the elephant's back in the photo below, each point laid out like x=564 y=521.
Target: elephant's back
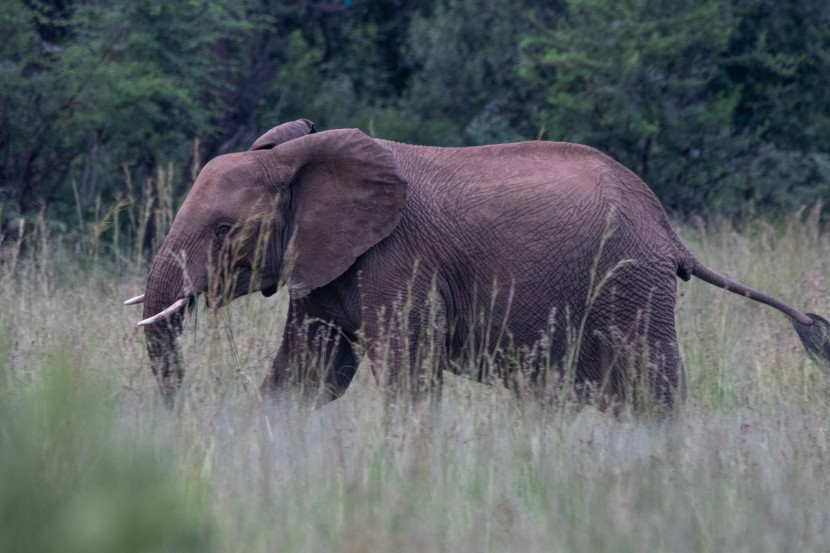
x=528 y=196
x=525 y=180
x=509 y=174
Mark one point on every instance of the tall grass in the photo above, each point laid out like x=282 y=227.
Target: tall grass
x=91 y=460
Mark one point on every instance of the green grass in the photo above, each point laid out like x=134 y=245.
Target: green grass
x=90 y=460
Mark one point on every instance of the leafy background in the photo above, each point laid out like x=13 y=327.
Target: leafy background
x=720 y=105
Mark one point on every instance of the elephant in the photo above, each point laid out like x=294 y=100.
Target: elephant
x=536 y=264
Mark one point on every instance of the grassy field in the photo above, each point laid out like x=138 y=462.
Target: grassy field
x=90 y=460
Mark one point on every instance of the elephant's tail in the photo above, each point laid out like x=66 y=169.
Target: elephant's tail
x=813 y=330
x=706 y=274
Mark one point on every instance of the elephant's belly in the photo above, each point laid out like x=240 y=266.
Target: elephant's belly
x=497 y=342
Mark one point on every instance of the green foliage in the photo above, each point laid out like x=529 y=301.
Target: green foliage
x=718 y=104
x=691 y=96
x=779 y=58
x=466 y=81
x=626 y=78
x=114 y=89
x=70 y=481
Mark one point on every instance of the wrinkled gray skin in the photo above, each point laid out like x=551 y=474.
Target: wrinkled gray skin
x=487 y=261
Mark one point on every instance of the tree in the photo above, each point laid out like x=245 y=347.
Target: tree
x=716 y=103
x=637 y=79
x=119 y=88
x=464 y=83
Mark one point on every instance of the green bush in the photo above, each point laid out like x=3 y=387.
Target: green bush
x=73 y=479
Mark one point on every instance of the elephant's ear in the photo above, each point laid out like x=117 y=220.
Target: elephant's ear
x=283 y=133
x=347 y=195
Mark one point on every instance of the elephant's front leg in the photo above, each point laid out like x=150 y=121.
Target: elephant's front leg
x=315 y=359
x=408 y=353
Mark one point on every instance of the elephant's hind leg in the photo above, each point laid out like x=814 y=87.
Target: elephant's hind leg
x=634 y=355
x=643 y=371
x=666 y=380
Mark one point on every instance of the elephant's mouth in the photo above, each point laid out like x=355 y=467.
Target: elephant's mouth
x=246 y=281
x=242 y=286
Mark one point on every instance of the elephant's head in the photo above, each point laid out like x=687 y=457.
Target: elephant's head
x=297 y=208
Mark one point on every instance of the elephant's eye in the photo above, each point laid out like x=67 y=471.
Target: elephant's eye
x=222 y=230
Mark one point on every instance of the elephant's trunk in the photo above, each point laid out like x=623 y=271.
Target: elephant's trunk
x=165 y=288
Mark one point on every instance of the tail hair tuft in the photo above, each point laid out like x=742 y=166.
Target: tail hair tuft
x=816 y=339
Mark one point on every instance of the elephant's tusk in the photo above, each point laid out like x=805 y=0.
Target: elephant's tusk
x=135 y=300
x=166 y=313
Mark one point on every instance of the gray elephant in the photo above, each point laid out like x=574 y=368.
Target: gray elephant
x=533 y=263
